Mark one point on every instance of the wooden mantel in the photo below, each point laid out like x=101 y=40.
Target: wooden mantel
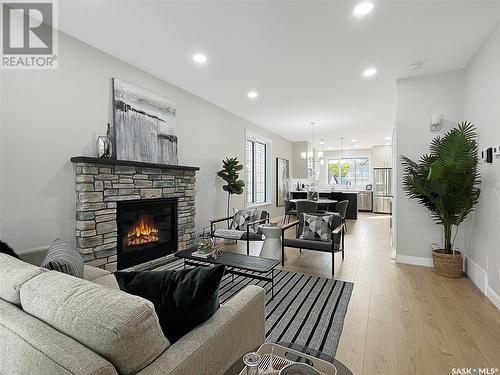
x=109 y=161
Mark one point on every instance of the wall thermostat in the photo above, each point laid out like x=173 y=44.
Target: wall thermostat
x=436 y=122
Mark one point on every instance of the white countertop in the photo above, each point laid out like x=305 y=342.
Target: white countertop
x=332 y=191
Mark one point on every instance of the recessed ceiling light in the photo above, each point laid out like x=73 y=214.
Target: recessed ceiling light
x=353 y=140
x=387 y=144
x=362 y=9
x=370 y=72
x=329 y=147
x=387 y=138
x=200 y=58
x=252 y=94
x=356 y=146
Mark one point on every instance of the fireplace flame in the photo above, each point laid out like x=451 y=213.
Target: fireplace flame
x=143 y=231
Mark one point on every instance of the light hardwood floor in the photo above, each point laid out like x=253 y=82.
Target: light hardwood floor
x=402 y=319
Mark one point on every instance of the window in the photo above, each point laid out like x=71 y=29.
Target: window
x=257 y=176
x=354 y=171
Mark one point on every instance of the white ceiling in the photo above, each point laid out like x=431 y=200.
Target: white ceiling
x=304 y=58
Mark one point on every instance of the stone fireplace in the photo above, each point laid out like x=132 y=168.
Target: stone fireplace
x=128 y=213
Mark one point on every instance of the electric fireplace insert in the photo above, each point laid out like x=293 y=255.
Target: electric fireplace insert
x=147 y=230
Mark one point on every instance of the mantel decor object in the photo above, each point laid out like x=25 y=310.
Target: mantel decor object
x=104 y=146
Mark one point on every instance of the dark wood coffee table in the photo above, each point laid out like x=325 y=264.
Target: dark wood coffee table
x=236 y=264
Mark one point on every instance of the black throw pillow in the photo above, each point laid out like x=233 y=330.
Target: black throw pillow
x=183 y=299
x=6 y=249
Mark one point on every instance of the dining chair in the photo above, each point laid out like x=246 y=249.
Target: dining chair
x=306 y=207
x=289 y=210
x=341 y=208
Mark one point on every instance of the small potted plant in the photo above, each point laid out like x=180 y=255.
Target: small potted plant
x=446 y=182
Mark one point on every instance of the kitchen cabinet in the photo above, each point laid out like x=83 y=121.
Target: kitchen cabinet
x=382 y=157
x=352 y=207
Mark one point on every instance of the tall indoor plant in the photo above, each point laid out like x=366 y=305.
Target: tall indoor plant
x=446 y=181
x=229 y=173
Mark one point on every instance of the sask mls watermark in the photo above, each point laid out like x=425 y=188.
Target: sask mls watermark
x=29 y=34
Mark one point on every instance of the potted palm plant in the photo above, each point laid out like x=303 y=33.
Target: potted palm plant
x=229 y=173
x=446 y=182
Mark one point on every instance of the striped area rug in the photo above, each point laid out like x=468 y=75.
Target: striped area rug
x=306 y=310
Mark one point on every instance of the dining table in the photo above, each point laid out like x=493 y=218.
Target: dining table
x=319 y=201
x=323 y=203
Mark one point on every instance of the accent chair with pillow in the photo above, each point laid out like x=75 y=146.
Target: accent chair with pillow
x=243 y=225
x=319 y=232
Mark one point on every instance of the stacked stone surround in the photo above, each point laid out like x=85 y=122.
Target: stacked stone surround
x=100 y=184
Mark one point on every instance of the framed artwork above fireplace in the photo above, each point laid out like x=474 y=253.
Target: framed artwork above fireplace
x=144 y=125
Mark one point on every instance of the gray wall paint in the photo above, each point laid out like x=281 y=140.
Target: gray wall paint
x=50 y=116
x=482 y=106
x=417 y=99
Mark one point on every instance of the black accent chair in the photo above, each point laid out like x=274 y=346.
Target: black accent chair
x=334 y=246
x=289 y=210
x=341 y=208
x=247 y=236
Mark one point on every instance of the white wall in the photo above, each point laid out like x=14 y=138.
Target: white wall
x=417 y=99
x=299 y=170
x=50 y=116
x=482 y=107
x=472 y=94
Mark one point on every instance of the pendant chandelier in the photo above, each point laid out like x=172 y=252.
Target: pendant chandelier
x=312 y=154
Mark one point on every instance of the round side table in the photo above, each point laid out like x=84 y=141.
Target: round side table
x=272 y=242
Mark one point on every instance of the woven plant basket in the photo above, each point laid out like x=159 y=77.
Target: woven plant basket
x=447 y=265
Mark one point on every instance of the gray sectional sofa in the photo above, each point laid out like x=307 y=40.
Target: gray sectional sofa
x=52 y=323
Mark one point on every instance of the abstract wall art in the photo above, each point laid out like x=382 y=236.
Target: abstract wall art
x=144 y=125
x=282 y=181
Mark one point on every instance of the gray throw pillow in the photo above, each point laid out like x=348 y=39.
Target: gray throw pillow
x=63 y=257
x=241 y=218
x=317 y=227
x=255 y=217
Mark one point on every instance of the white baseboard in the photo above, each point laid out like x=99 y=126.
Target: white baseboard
x=480 y=278
x=416 y=261
x=476 y=274
x=495 y=298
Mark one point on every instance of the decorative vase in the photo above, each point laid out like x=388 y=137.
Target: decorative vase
x=312 y=192
x=204 y=243
x=448 y=265
x=104 y=146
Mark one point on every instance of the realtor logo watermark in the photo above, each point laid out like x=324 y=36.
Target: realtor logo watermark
x=474 y=371
x=29 y=34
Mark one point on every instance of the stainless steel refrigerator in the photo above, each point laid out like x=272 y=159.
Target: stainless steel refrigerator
x=382 y=190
